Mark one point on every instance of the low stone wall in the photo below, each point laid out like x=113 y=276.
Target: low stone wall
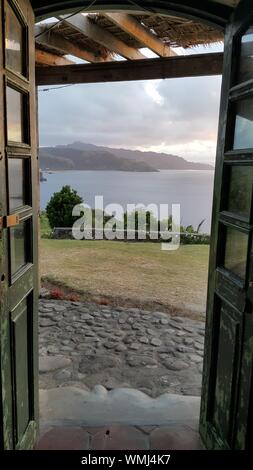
x=137 y=236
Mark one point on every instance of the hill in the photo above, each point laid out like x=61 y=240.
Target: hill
x=82 y=156
x=62 y=158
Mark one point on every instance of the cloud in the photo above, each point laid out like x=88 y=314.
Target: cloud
x=152 y=91
x=178 y=116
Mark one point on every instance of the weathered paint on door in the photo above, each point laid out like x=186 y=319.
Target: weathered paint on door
x=227 y=378
x=18 y=228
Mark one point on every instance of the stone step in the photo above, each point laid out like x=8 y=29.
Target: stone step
x=121 y=406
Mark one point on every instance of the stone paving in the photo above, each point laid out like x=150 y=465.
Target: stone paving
x=85 y=344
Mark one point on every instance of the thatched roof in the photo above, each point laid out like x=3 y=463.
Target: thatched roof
x=179 y=32
x=173 y=31
x=100 y=37
x=216 y=11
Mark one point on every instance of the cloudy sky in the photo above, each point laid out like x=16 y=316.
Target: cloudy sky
x=174 y=116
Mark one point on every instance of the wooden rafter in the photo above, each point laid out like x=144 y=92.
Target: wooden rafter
x=56 y=41
x=147 y=69
x=84 y=25
x=134 y=28
x=48 y=58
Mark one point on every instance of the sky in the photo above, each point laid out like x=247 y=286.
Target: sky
x=178 y=116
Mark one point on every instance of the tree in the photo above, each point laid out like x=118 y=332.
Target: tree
x=60 y=207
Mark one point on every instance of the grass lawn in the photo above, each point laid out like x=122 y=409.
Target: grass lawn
x=138 y=274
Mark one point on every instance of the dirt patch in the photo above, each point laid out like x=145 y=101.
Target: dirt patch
x=76 y=294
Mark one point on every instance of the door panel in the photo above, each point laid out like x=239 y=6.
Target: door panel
x=20 y=367
x=226 y=371
x=227 y=379
x=18 y=234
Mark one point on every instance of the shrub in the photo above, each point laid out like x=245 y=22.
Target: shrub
x=45 y=229
x=103 y=301
x=56 y=293
x=60 y=207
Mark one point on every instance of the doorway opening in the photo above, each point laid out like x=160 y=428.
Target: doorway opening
x=123 y=330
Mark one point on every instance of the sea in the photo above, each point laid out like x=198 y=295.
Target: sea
x=192 y=189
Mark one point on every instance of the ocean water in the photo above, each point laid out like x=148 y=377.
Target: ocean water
x=191 y=189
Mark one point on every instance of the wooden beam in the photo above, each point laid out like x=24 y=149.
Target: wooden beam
x=48 y=58
x=147 y=69
x=134 y=28
x=83 y=25
x=52 y=39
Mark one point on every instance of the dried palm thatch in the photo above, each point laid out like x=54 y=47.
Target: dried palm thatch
x=173 y=31
x=179 y=32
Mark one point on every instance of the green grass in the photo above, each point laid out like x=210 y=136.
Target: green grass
x=124 y=272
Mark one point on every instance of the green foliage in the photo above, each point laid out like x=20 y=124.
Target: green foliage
x=60 y=207
x=67 y=198
x=45 y=229
x=189 y=235
x=139 y=220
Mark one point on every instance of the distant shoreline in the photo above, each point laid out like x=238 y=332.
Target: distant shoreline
x=48 y=172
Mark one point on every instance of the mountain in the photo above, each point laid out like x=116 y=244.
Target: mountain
x=68 y=158
x=83 y=156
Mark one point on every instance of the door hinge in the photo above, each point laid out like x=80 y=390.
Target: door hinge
x=9 y=221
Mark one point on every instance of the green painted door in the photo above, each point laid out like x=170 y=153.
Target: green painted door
x=227 y=395
x=18 y=228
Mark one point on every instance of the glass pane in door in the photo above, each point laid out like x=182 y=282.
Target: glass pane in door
x=16 y=183
x=13 y=41
x=14 y=115
x=236 y=252
x=246 y=60
x=240 y=190
x=17 y=245
x=243 y=136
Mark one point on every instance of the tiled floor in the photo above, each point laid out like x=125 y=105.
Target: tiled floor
x=120 y=438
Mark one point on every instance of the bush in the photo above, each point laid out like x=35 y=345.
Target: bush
x=45 y=229
x=60 y=207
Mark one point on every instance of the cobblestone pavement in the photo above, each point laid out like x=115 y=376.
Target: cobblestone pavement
x=84 y=345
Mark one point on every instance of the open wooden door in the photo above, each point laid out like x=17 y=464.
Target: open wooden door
x=18 y=228
x=227 y=396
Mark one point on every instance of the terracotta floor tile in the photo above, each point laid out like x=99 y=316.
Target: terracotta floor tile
x=175 y=438
x=120 y=438
x=64 y=438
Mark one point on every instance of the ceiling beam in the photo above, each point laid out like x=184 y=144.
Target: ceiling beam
x=51 y=38
x=134 y=28
x=146 y=69
x=48 y=58
x=83 y=25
